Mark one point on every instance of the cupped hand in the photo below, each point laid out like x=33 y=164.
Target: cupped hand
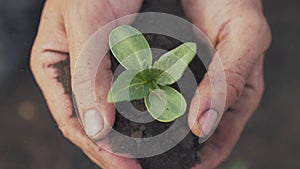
x=240 y=34
x=64 y=28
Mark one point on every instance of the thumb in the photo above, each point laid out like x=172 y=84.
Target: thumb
x=90 y=67
x=90 y=64
x=90 y=88
x=227 y=73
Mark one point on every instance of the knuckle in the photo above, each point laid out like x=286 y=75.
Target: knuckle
x=261 y=28
x=268 y=34
x=255 y=25
x=235 y=82
x=34 y=61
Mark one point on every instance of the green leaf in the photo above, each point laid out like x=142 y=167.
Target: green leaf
x=149 y=75
x=143 y=82
x=121 y=91
x=165 y=104
x=174 y=63
x=130 y=48
x=133 y=85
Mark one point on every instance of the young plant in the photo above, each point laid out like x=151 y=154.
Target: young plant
x=142 y=80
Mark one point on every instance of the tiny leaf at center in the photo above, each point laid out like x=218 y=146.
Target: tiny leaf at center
x=133 y=85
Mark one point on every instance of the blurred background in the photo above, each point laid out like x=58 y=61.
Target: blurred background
x=30 y=139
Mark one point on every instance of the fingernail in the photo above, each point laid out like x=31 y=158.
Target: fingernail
x=208 y=124
x=93 y=122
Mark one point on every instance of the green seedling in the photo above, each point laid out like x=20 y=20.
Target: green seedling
x=142 y=80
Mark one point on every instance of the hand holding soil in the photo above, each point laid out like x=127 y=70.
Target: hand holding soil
x=241 y=35
x=237 y=29
x=64 y=28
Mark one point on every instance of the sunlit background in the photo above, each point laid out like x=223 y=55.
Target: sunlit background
x=30 y=139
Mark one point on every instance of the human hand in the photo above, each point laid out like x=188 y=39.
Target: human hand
x=64 y=28
x=240 y=34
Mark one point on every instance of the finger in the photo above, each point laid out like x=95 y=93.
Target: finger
x=219 y=146
x=238 y=45
x=90 y=67
x=61 y=108
x=51 y=49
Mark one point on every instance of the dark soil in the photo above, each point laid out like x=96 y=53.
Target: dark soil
x=64 y=77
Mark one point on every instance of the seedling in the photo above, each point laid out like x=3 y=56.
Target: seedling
x=142 y=80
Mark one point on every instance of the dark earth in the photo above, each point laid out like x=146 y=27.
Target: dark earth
x=30 y=138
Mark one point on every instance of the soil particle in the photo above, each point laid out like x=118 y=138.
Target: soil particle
x=63 y=75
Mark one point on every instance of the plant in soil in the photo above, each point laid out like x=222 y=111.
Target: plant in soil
x=147 y=81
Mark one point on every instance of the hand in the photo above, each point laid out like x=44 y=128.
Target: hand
x=64 y=28
x=240 y=34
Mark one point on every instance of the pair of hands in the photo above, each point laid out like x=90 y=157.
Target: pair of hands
x=237 y=29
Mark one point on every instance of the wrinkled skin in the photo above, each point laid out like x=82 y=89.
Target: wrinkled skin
x=241 y=35
x=237 y=28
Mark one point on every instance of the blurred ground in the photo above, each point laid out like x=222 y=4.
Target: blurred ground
x=30 y=138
